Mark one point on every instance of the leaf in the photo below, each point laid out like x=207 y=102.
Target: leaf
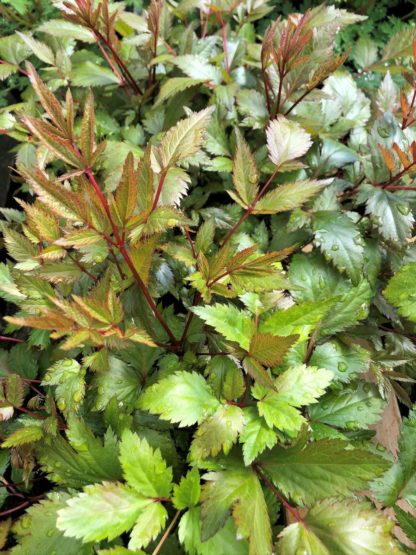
x=143 y=468
x=39 y=49
x=233 y=324
x=21 y=436
x=37 y=532
x=174 y=86
x=186 y=494
x=356 y=408
x=344 y=361
x=69 y=378
x=66 y=29
x=87 y=129
x=127 y=190
x=401 y=291
x=286 y=140
x=219 y=432
x=245 y=172
x=101 y=511
x=118 y=380
x=6 y=70
x=389 y=213
x=183 y=398
x=197 y=67
x=89 y=74
x=184 y=139
x=256 y=436
x=148 y=525
x=341 y=528
x=407 y=523
x=269 y=349
x=288 y=196
x=321 y=469
x=94 y=460
x=399 y=482
x=302 y=318
x=240 y=488
x=340 y=241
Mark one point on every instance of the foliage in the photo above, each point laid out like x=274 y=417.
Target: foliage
x=210 y=281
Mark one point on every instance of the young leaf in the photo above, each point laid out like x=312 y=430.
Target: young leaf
x=245 y=172
x=183 y=398
x=286 y=140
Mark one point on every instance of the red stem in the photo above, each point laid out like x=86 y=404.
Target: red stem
x=126 y=256
x=13 y=339
x=276 y=492
x=159 y=189
x=251 y=207
x=21 y=506
x=224 y=40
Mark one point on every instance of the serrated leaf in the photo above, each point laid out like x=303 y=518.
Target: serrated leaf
x=101 y=511
x=245 y=172
x=69 y=378
x=342 y=528
x=322 y=469
x=197 y=67
x=233 y=324
x=88 y=74
x=286 y=140
x=184 y=139
x=176 y=85
x=39 y=49
x=219 y=432
x=340 y=241
x=270 y=349
x=401 y=291
x=356 y=408
x=148 y=525
x=288 y=196
x=183 y=398
x=186 y=494
x=143 y=468
x=256 y=436
x=344 y=361
x=21 y=436
x=240 y=489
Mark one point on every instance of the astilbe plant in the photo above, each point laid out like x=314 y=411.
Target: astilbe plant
x=213 y=269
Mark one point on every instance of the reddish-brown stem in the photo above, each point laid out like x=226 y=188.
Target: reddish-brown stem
x=251 y=207
x=22 y=71
x=412 y=103
x=82 y=268
x=390 y=183
x=276 y=493
x=110 y=62
x=196 y=301
x=298 y=101
x=159 y=189
x=279 y=93
x=117 y=263
x=166 y=534
x=13 y=339
x=21 y=506
x=400 y=188
x=191 y=243
x=126 y=256
x=266 y=90
x=224 y=40
x=204 y=31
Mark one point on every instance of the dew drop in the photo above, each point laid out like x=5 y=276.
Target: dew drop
x=50 y=532
x=321 y=282
x=360 y=408
x=350 y=425
x=403 y=209
x=77 y=397
x=334 y=247
x=342 y=366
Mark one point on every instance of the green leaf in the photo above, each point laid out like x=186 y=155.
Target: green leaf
x=233 y=324
x=340 y=241
x=198 y=67
x=288 y=196
x=144 y=468
x=217 y=433
x=341 y=528
x=322 y=469
x=66 y=29
x=399 y=482
x=92 y=460
x=21 y=436
x=407 y=523
x=225 y=377
x=286 y=140
x=37 y=533
x=389 y=213
x=270 y=349
x=89 y=74
x=183 y=398
x=148 y=525
x=174 y=86
x=355 y=408
x=186 y=494
x=302 y=318
x=39 y=49
x=101 y=511
x=256 y=436
x=69 y=378
x=224 y=542
x=184 y=139
x=118 y=380
x=401 y=291
x=245 y=172
x=240 y=488
x=344 y=361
